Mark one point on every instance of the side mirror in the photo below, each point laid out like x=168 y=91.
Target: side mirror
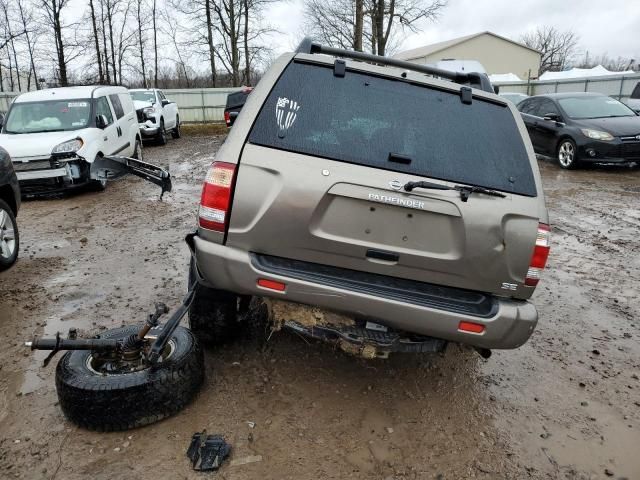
x=101 y=122
x=552 y=117
x=496 y=89
x=165 y=102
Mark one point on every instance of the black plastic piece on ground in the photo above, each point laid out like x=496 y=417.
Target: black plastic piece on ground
x=465 y=95
x=339 y=68
x=207 y=452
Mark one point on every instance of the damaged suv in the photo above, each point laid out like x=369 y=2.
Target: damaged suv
x=374 y=203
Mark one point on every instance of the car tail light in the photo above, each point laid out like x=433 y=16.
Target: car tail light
x=216 y=196
x=227 y=119
x=540 y=255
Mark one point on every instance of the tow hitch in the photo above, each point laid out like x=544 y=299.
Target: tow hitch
x=138 y=350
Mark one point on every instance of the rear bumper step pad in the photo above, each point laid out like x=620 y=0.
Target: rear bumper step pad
x=407 y=291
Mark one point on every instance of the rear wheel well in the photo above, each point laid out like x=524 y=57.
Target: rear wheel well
x=6 y=194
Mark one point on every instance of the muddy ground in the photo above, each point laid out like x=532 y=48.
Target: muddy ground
x=565 y=405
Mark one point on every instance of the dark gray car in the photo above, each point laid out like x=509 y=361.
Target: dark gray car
x=373 y=206
x=9 y=205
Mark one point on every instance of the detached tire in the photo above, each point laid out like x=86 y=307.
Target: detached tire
x=213 y=314
x=112 y=402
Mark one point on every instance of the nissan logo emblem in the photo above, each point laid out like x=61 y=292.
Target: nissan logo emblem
x=396 y=184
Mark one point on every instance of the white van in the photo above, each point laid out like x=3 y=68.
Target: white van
x=54 y=135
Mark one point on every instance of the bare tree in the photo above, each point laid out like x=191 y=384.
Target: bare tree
x=96 y=39
x=201 y=18
x=154 y=16
x=172 y=29
x=618 y=64
x=28 y=27
x=348 y=23
x=556 y=47
x=139 y=19
x=53 y=19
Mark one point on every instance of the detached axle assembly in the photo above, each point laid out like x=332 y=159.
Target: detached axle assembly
x=134 y=349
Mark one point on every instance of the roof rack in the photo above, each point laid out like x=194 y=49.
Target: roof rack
x=474 y=79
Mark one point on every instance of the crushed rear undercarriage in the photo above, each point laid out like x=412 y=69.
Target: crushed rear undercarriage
x=359 y=337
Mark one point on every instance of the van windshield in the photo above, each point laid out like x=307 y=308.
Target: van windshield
x=49 y=116
x=365 y=119
x=144 y=96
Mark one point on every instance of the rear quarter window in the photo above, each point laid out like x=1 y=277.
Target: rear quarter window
x=362 y=119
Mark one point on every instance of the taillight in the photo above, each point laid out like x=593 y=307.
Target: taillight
x=216 y=196
x=540 y=255
x=227 y=119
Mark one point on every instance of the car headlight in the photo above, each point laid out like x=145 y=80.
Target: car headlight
x=70 y=146
x=148 y=112
x=597 y=134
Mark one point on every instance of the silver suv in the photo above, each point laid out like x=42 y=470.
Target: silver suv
x=385 y=206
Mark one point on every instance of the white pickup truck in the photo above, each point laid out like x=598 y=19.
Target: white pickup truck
x=156 y=114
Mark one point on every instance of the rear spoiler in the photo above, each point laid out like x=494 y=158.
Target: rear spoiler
x=113 y=167
x=476 y=80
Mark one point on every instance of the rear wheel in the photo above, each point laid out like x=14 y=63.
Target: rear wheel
x=213 y=314
x=9 y=237
x=162 y=134
x=567 y=154
x=97 y=395
x=175 y=133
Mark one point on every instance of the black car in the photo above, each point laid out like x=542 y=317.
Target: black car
x=235 y=102
x=582 y=127
x=9 y=205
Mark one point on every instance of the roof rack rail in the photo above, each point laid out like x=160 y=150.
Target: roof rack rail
x=474 y=79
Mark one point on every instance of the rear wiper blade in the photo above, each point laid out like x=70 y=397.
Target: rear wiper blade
x=409 y=186
x=465 y=190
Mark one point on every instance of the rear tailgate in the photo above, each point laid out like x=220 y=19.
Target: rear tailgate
x=320 y=181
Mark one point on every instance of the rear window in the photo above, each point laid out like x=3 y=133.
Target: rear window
x=362 y=119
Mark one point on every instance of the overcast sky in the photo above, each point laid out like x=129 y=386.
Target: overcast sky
x=604 y=26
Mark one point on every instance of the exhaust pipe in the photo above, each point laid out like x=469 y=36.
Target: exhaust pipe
x=484 y=352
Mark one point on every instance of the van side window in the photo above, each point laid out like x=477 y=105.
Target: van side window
x=117 y=106
x=636 y=91
x=102 y=108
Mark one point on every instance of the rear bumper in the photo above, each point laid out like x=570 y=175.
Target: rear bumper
x=509 y=324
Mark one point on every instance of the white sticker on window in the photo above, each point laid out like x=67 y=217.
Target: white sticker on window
x=286 y=112
x=77 y=104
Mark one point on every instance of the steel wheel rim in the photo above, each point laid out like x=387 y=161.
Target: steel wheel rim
x=7 y=235
x=566 y=153
x=165 y=355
